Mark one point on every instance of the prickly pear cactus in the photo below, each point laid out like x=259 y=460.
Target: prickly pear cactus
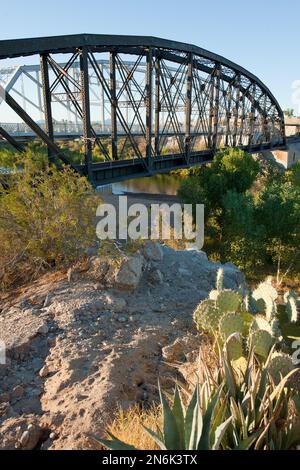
x=214 y=294
x=260 y=323
x=229 y=324
x=206 y=316
x=265 y=290
x=229 y=301
x=220 y=280
x=265 y=296
x=275 y=327
x=280 y=366
x=262 y=342
x=234 y=346
x=292 y=310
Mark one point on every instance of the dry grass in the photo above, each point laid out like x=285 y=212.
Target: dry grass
x=128 y=426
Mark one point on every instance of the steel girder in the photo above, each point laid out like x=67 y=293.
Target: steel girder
x=169 y=99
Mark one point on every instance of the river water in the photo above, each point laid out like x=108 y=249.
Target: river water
x=158 y=184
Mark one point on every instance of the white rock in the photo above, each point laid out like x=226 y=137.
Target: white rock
x=44 y=372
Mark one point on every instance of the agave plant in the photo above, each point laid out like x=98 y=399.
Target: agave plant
x=258 y=404
x=184 y=428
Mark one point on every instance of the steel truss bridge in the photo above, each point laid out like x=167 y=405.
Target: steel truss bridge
x=146 y=105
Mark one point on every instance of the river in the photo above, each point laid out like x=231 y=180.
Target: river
x=158 y=184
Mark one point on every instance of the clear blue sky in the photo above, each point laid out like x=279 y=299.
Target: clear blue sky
x=261 y=35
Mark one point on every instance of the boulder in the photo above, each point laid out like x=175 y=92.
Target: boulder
x=130 y=273
x=153 y=252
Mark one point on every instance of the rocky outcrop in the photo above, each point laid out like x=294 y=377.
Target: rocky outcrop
x=77 y=350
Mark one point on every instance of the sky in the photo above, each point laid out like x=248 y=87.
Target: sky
x=260 y=35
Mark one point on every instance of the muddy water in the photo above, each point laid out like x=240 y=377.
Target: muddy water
x=158 y=184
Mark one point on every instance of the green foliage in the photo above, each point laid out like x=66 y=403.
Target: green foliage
x=231 y=169
x=252 y=211
x=47 y=219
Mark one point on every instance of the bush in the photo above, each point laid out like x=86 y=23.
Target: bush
x=47 y=220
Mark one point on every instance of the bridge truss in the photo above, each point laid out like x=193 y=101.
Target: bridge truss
x=147 y=105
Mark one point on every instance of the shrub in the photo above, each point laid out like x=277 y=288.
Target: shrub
x=47 y=220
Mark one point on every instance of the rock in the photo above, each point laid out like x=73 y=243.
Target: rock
x=174 y=352
x=155 y=276
x=18 y=392
x=18 y=330
x=43 y=330
x=117 y=304
x=122 y=320
x=130 y=273
x=20 y=433
x=153 y=251
x=44 y=372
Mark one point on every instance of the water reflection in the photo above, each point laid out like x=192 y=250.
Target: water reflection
x=158 y=184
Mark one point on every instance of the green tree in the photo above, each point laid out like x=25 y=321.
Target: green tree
x=278 y=209
x=243 y=238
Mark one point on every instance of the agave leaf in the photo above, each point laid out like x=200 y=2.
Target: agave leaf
x=171 y=433
x=178 y=413
x=229 y=376
x=220 y=433
x=156 y=438
x=204 y=443
x=193 y=422
x=114 y=444
x=247 y=443
x=282 y=385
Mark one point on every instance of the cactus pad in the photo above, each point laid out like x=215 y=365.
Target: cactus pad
x=292 y=310
x=234 y=346
x=229 y=301
x=206 y=316
x=262 y=342
x=260 y=323
x=229 y=324
x=280 y=366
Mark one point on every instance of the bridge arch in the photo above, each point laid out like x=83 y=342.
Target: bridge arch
x=165 y=104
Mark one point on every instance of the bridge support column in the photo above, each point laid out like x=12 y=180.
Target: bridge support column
x=211 y=111
x=216 y=106
x=114 y=104
x=188 y=107
x=252 y=117
x=228 y=114
x=86 y=113
x=237 y=107
x=47 y=102
x=149 y=109
x=157 y=106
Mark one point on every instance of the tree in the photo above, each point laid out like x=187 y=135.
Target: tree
x=244 y=238
x=289 y=112
x=231 y=170
x=278 y=209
